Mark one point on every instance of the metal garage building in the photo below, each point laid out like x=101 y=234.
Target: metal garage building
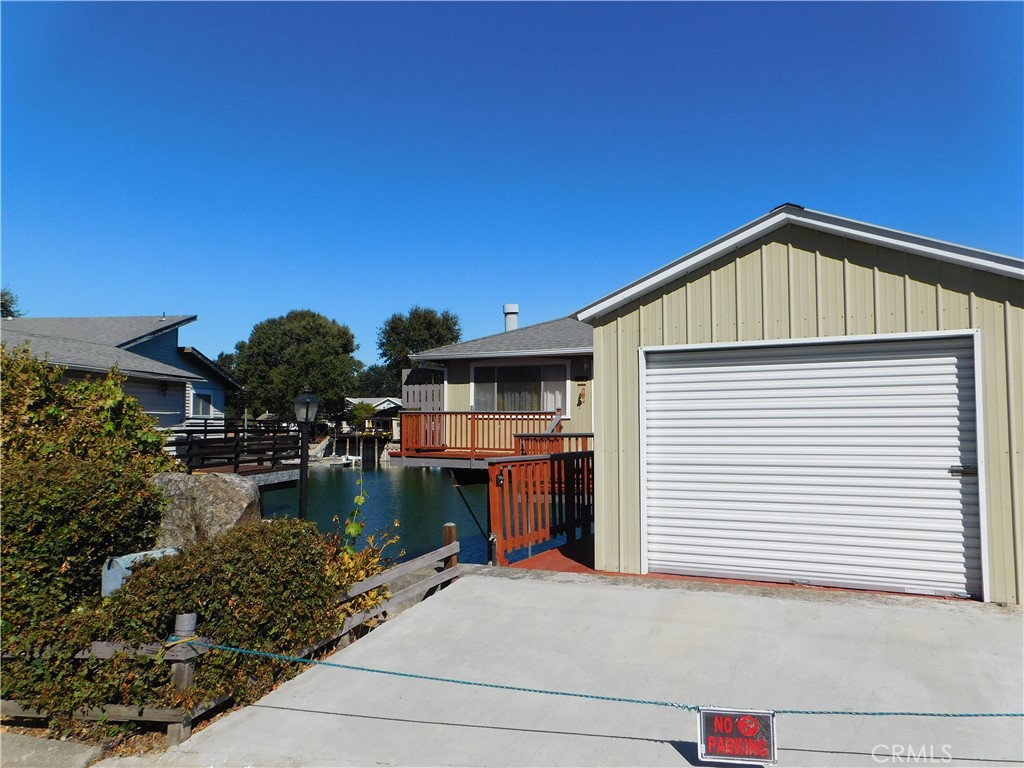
x=811 y=399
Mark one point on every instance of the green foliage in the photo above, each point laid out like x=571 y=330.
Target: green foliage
x=45 y=417
x=76 y=458
x=419 y=330
x=61 y=521
x=378 y=381
x=9 y=303
x=271 y=586
x=286 y=354
x=359 y=412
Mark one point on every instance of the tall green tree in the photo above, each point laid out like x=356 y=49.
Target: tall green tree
x=417 y=331
x=9 y=303
x=284 y=355
x=377 y=381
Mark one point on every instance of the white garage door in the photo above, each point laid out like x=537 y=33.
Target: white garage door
x=832 y=464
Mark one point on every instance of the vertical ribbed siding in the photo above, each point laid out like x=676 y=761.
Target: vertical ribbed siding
x=820 y=464
x=853 y=281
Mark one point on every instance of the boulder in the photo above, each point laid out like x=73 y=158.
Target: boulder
x=202 y=505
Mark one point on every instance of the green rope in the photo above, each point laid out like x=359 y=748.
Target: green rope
x=595 y=697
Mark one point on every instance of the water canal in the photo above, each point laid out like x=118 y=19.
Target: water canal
x=421 y=500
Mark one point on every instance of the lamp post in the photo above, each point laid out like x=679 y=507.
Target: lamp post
x=306 y=404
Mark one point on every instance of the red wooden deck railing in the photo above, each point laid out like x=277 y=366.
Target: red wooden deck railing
x=534 y=499
x=559 y=442
x=471 y=433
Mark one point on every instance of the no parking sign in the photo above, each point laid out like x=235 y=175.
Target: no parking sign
x=737 y=736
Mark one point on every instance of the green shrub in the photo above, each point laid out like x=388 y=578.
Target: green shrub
x=76 y=457
x=61 y=521
x=271 y=586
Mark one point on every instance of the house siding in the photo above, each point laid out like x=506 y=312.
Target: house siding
x=458 y=388
x=800 y=283
x=163 y=348
x=164 y=402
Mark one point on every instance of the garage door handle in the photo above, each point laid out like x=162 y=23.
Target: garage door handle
x=959 y=471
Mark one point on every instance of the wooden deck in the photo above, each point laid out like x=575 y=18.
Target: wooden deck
x=466 y=439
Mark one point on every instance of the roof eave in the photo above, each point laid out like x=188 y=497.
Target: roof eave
x=231 y=380
x=824 y=222
x=157 y=332
x=426 y=356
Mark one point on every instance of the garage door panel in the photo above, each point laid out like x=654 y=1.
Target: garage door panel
x=824 y=464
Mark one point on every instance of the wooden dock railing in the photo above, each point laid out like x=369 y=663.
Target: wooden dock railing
x=239 y=452
x=559 y=442
x=471 y=433
x=535 y=499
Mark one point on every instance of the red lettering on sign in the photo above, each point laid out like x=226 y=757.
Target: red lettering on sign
x=723 y=724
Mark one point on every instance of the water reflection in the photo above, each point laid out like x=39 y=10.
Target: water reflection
x=422 y=500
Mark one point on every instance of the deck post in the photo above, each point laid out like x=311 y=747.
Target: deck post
x=451 y=535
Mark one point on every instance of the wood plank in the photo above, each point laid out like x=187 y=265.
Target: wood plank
x=120 y=712
x=418 y=588
x=407 y=567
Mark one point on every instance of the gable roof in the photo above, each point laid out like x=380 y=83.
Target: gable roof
x=823 y=222
x=96 y=344
x=376 y=402
x=565 y=336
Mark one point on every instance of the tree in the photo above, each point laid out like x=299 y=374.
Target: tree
x=377 y=381
x=285 y=355
x=421 y=329
x=9 y=304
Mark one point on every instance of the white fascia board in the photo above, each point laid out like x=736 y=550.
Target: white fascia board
x=1007 y=266
x=519 y=353
x=680 y=267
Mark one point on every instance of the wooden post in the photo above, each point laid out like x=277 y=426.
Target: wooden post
x=450 y=537
x=183 y=675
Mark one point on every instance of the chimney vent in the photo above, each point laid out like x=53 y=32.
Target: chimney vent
x=511 y=317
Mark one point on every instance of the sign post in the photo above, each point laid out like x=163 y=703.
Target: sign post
x=737 y=736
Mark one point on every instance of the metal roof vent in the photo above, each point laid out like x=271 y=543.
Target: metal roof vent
x=511 y=317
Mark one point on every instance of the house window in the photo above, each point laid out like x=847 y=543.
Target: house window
x=520 y=388
x=202 y=404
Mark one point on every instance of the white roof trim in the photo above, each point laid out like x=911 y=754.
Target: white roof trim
x=517 y=353
x=1000 y=264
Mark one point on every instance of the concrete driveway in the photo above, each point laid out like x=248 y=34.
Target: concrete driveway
x=749 y=647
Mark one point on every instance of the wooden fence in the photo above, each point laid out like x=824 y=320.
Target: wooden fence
x=535 y=499
x=181 y=657
x=243 y=452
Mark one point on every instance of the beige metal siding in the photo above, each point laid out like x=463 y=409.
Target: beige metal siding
x=796 y=283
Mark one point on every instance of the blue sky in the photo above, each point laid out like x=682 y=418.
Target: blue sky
x=237 y=160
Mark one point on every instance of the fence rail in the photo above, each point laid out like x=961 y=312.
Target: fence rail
x=472 y=433
x=181 y=656
x=548 y=443
x=535 y=499
x=237 y=452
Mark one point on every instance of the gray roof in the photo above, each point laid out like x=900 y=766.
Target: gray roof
x=96 y=344
x=565 y=336
x=116 y=331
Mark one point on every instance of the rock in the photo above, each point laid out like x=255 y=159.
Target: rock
x=202 y=505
